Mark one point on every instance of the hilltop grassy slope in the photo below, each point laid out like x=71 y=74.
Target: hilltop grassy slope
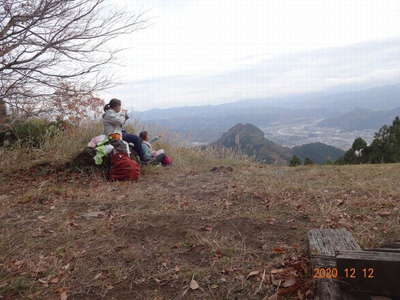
x=70 y=234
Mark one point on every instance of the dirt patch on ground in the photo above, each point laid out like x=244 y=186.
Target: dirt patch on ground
x=254 y=233
x=168 y=228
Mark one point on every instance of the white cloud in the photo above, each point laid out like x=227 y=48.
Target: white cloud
x=201 y=39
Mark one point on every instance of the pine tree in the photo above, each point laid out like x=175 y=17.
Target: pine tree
x=359 y=144
x=385 y=147
x=308 y=161
x=295 y=161
x=356 y=154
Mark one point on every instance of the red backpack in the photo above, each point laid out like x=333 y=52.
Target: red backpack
x=123 y=168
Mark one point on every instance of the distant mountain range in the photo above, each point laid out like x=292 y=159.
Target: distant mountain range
x=250 y=140
x=361 y=118
x=315 y=112
x=207 y=123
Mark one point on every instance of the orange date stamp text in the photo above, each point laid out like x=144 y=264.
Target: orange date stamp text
x=333 y=273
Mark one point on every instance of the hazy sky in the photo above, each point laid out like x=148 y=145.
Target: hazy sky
x=198 y=52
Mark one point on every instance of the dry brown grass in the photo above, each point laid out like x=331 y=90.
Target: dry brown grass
x=80 y=235
x=58 y=149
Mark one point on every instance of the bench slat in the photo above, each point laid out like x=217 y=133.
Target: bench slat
x=370 y=272
x=323 y=245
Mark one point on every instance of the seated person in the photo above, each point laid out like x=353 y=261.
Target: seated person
x=113 y=120
x=156 y=157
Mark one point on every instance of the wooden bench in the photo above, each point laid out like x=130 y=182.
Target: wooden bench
x=323 y=244
x=343 y=270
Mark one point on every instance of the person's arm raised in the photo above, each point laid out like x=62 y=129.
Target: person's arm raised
x=126 y=115
x=155 y=139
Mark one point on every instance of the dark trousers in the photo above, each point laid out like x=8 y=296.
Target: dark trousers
x=136 y=141
x=158 y=159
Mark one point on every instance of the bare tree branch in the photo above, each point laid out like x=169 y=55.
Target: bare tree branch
x=46 y=42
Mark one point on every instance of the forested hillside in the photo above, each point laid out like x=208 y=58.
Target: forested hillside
x=385 y=148
x=318 y=152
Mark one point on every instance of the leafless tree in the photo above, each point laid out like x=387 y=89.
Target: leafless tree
x=45 y=44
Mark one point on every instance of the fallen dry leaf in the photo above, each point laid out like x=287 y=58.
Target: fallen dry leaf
x=227 y=203
x=194 y=285
x=93 y=214
x=43 y=281
x=284 y=277
x=97 y=276
x=64 y=296
x=288 y=282
x=206 y=228
x=384 y=213
x=278 y=250
x=276 y=271
x=253 y=273
x=19 y=263
x=218 y=253
x=54 y=280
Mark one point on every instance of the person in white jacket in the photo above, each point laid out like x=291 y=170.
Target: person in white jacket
x=114 y=119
